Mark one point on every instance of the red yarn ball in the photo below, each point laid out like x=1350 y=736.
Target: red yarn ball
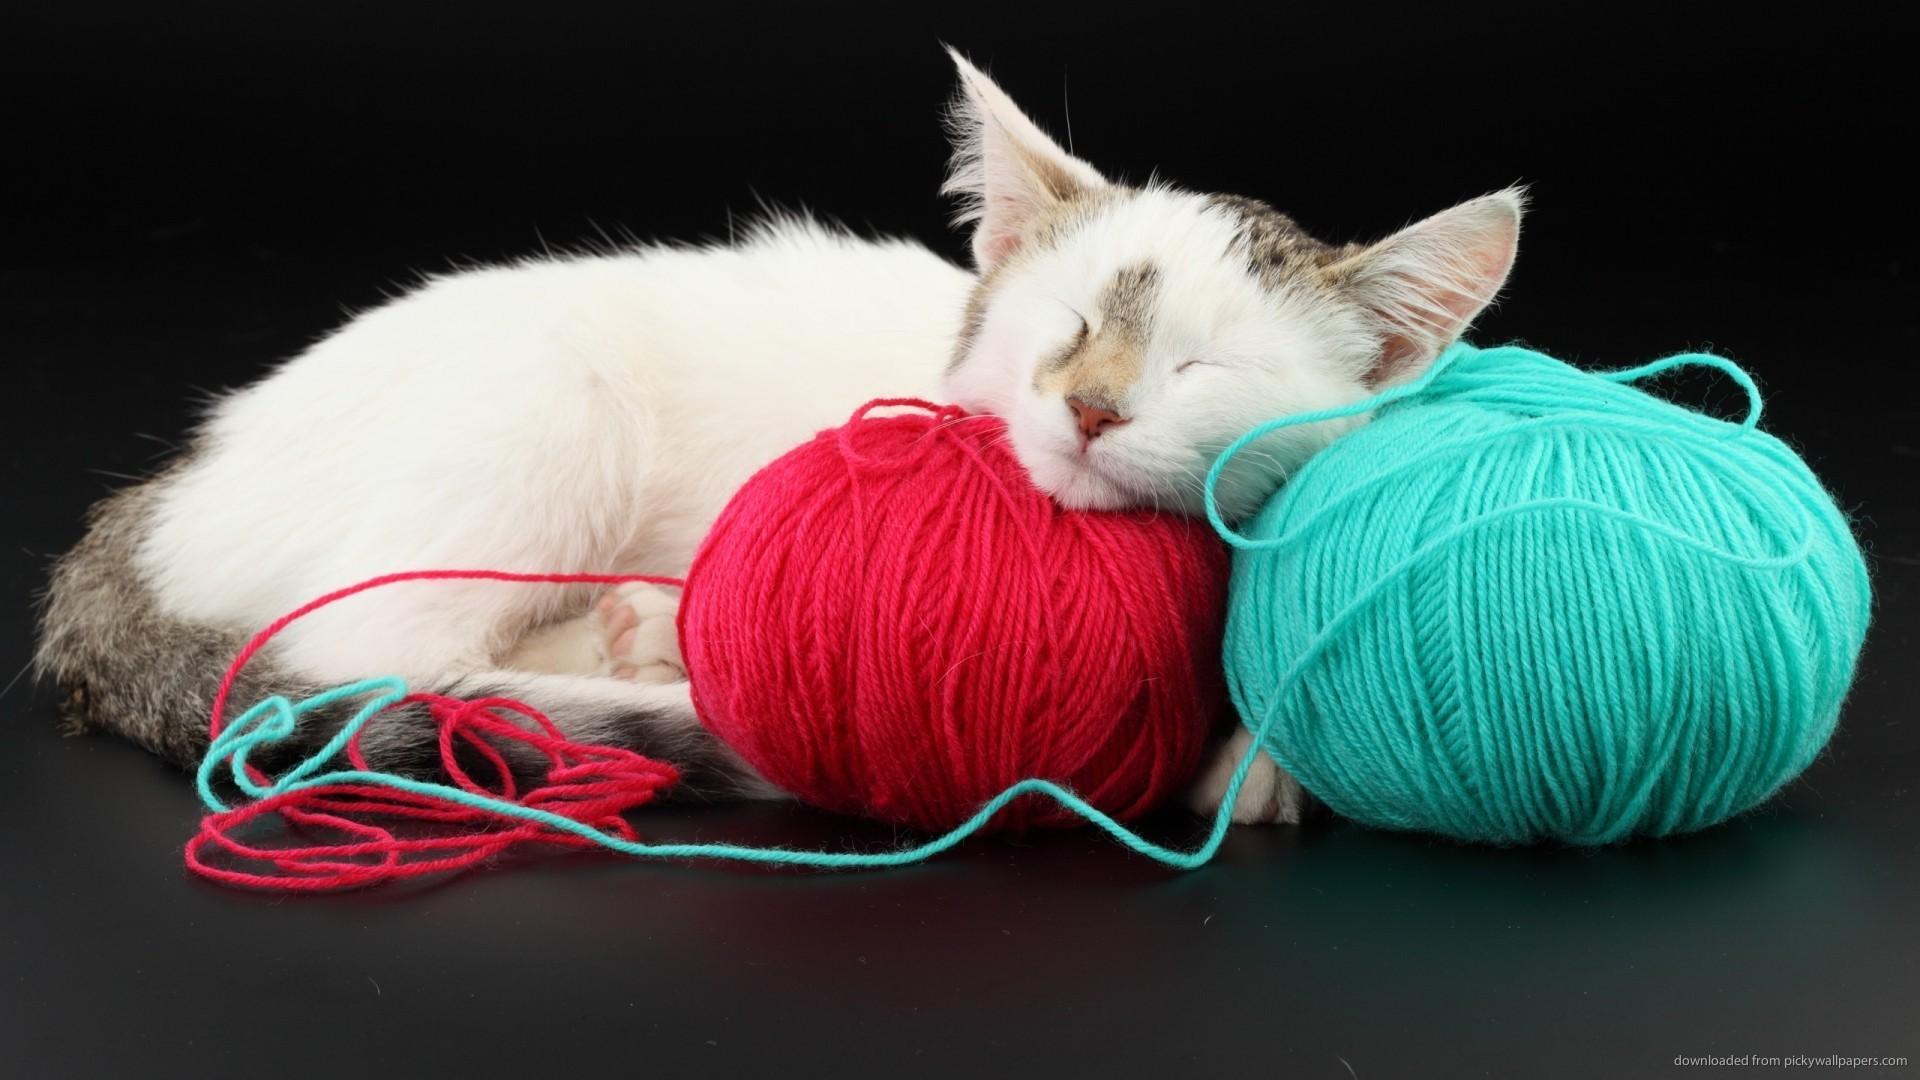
x=892 y=621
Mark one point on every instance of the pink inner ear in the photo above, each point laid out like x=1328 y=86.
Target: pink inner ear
x=992 y=245
x=1405 y=350
x=1416 y=336
x=1399 y=360
x=1001 y=228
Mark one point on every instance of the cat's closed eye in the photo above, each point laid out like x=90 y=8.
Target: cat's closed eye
x=1193 y=363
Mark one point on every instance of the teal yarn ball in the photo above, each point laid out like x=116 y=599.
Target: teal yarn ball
x=1527 y=602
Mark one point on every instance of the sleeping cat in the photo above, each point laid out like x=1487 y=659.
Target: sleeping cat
x=593 y=414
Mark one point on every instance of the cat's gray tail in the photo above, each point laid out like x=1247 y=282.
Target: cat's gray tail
x=129 y=668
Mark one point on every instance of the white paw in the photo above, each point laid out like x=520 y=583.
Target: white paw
x=1269 y=795
x=637 y=632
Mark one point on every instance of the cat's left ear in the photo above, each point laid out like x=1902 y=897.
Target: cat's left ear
x=1424 y=284
x=1005 y=171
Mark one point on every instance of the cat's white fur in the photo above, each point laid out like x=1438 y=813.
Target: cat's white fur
x=580 y=415
x=593 y=414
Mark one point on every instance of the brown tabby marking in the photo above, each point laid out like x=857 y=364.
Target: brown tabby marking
x=1102 y=364
x=1275 y=246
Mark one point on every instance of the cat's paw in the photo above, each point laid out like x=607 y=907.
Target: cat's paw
x=1270 y=796
x=638 y=634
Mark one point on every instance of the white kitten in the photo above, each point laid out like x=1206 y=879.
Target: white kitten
x=1128 y=335
x=594 y=414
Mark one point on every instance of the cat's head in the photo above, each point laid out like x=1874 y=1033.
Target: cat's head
x=1127 y=334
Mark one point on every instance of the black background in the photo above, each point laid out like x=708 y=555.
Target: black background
x=195 y=190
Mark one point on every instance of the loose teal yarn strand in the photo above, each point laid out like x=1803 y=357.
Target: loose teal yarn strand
x=275 y=719
x=1528 y=602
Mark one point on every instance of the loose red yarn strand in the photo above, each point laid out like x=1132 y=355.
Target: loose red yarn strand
x=594 y=785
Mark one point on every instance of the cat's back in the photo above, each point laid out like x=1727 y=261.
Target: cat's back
x=788 y=294
x=788 y=283
x=793 y=313
x=595 y=391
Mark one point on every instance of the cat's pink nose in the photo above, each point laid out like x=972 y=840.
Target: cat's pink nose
x=1093 y=420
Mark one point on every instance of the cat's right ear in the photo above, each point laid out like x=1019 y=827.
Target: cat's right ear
x=1425 y=283
x=1006 y=172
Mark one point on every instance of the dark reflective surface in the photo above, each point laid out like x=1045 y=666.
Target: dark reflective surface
x=201 y=191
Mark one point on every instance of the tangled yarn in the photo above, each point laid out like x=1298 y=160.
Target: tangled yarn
x=1531 y=602
x=354 y=826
